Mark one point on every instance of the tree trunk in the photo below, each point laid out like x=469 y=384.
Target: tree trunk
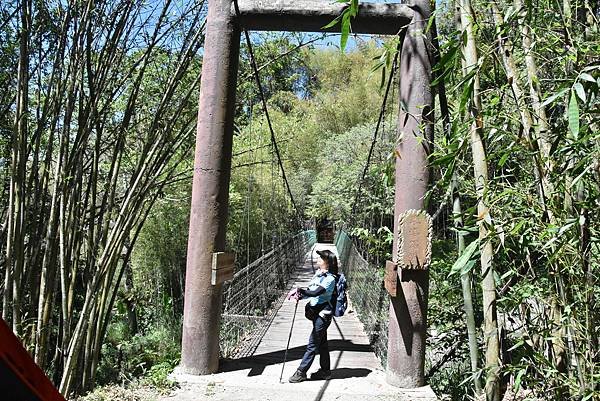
x=467 y=278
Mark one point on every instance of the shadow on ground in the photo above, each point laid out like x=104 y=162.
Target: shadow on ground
x=257 y=363
x=346 y=373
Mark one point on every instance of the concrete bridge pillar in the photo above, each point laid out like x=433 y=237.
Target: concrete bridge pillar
x=408 y=310
x=210 y=190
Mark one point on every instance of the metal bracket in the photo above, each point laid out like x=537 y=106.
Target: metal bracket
x=391 y=277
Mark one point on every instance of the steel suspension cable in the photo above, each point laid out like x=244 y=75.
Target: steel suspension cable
x=265 y=109
x=374 y=140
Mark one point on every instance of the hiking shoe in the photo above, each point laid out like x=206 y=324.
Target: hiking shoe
x=298 y=377
x=321 y=375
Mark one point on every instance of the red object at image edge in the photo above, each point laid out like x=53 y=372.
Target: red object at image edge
x=29 y=377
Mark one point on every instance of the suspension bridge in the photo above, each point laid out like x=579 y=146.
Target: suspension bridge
x=257 y=362
x=407 y=277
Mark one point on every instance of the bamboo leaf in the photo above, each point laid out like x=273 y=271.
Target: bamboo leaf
x=562 y=230
x=576 y=179
x=466 y=95
x=441 y=77
x=510 y=11
x=554 y=97
x=573 y=115
x=554 y=145
x=518 y=379
x=587 y=77
x=332 y=23
x=377 y=66
x=444 y=160
x=354 y=8
x=447 y=57
x=503 y=159
x=430 y=22
x=517 y=227
x=591 y=68
x=517 y=345
x=468 y=267
x=345 y=30
x=500 y=231
x=580 y=91
x=462 y=263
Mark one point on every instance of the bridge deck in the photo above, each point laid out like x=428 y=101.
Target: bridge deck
x=356 y=372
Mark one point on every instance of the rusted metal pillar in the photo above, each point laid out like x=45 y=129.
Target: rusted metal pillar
x=408 y=310
x=210 y=190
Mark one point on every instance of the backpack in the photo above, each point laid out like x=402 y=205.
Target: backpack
x=340 y=300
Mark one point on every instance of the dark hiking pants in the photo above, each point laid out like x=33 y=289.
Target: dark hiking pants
x=317 y=343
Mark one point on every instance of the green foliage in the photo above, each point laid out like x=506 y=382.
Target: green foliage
x=344 y=19
x=344 y=92
x=465 y=261
x=540 y=260
x=446 y=324
x=159 y=259
x=151 y=355
x=336 y=187
x=281 y=74
x=157 y=375
x=574 y=115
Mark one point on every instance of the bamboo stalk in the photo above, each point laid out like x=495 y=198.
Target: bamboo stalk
x=480 y=170
x=466 y=280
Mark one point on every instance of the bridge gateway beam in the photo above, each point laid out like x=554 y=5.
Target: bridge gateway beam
x=212 y=165
x=312 y=15
x=408 y=310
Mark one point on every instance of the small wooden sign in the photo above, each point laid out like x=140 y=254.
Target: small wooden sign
x=391 y=277
x=223 y=264
x=414 y=245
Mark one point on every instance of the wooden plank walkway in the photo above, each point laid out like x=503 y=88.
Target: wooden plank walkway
x=356 y=372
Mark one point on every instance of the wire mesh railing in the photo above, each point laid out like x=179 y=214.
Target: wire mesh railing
x=366 y=292
x=256 y=292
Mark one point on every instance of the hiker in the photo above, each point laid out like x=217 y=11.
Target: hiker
x=319 y=309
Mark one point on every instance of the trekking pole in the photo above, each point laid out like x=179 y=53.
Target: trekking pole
x=312 y=262
x=288 y=342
